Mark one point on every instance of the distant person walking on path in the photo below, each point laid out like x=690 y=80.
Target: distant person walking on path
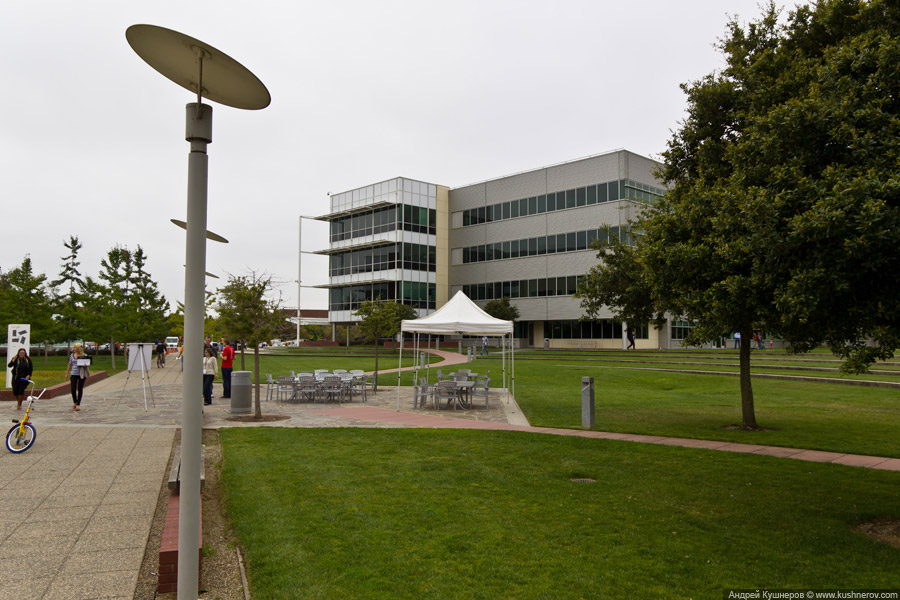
x=210 y=346
x=209 y=373
x=737 y=339
x=77 y=375
x=630 y=335
x=160 y=355
x=21 y=369
x=227 y=362
x=484 y=345
x=180 y=357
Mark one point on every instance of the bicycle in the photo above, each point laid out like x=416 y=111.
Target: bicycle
x=22 y=435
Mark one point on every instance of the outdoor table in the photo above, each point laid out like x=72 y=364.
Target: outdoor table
x=462 y=393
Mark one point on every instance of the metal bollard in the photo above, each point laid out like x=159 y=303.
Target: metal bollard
x=587 y=402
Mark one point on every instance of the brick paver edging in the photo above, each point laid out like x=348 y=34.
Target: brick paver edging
x=60 y=389
x=381 y=415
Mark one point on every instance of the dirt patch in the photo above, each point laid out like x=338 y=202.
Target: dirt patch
x=221 y=575
x=740 y=428
x=263 y=419
x=886 y=531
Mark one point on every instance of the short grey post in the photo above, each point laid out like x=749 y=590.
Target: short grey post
x=460 y=347
x=587 y=402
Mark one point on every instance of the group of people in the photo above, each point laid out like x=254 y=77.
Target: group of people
x=210 y=368
x=23 y=368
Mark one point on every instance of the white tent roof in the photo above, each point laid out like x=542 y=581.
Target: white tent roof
x=459 y=315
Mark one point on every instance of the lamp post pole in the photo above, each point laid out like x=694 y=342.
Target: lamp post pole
x=299 y=270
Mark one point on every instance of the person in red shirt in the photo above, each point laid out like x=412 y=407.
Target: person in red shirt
x=227 y=358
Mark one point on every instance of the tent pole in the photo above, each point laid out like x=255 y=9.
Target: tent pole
x=513 y=352
x=428 y=362
x=399 y=366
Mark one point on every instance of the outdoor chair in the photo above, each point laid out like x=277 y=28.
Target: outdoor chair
x=292 y=374
x=442 y=377
x=285 y=386
x=270 y=386
x=481 y=389
x=318 y=371
x=339 y=371
x=357 y=372
x=422 y=393
x=309 y=388
x=332 y=386
x=463 y=372
x=445 y=390
x=358 y=386
x=305 y=374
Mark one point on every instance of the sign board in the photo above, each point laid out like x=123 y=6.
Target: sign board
x=17 y=336
x=135 y=351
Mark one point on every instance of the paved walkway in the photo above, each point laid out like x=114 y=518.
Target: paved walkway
x=63 y=502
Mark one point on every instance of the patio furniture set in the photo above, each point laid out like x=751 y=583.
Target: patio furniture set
x=458 y=389
x=319 y=386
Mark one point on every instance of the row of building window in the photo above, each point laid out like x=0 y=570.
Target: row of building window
x=523 y=288
x=401 y=216
x=681 y=329
x=600 y=329
x=584 y=196
x=414 y=293
x=417 y=257
x=536 y=246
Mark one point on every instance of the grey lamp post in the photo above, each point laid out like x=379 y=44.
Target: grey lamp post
x=211 y=74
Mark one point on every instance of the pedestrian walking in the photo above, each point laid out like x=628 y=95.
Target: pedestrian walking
x=21 y=372
x=737 y=340
x=227 y=362
x=630 y=335
x=209 y=374
x=161 y=355
x=77 y=375
x=484 y=350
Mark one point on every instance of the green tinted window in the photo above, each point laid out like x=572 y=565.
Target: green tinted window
x=542 y=204
x=532 y=206
x=613 y=190
x=551 y=202
x=506 y=210
x=602 y=192
x=514 y=209
x=581 y=196
x=523 y=207
x=570 y=198
x=592 y=194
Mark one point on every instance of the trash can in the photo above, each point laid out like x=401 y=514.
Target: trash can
x=546 y=342
x=240 y=392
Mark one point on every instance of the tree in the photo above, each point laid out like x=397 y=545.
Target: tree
x=246 y=314
x=382 y=319
x=114 y=294
x=69 y=277
x=24 y=298
x=783 y=209
x=148 y=319
x=502 y=309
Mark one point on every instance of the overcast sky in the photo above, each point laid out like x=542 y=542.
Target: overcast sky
x=92 y=141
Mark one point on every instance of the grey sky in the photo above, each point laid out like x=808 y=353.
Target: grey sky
x=455 y=92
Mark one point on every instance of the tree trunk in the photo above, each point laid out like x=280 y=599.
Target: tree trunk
x=747 y=410
x=258 y=414
x=112 y=352
x=242 y=355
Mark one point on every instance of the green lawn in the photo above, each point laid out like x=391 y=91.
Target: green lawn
x=403 y=513
x=52 y=370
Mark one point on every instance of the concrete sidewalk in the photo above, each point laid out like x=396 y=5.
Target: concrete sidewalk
x=76 y=510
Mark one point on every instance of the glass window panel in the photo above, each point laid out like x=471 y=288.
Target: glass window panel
x=581 y=195
x=561 y=286
x=617 y=330
x=592 y=194
x=506 y=210
x=542 y=245
x=571 y=243
x=514 y=289
x=489 y=252
x=523 y=288
x=523 y=207
x=542 y=204
x=532 y=288
x=498 y=289
x=566 y=330
x=613 y=190
x=570 y=198
x=571 y=286
x=498 y=250
x=532 y=205
x=602 y=194
x=532 y=246
x=551 y=202
x=551 y=286
x=551 y=244
x=481 y=214
x=614 y=233
x=561 y=243
x=541 y=287
x=505 y=290
x=514 y=249
x=514 y=209
x=582 y=240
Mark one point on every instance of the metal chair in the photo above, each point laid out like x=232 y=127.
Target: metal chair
x=481 y=389
x=358 y=386
x=422 y=393
x=270 y=386
x=309 y=388
x=339 y=371
x=332 y=386
x=445 y=390
x=285 y=385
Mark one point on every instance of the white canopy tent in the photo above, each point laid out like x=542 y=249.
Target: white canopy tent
x=461 y=316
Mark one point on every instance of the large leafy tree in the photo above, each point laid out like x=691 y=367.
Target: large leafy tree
x=783 y=208
x=501 y=308
x=26 y=298
x=111 y=305
x=71 y=283
x=381 y=319
x=247 y=313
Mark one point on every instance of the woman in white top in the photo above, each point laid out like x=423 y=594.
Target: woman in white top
x=209 y=373
x=77 y=375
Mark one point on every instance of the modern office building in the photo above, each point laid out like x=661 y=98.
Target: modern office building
x=526 y=236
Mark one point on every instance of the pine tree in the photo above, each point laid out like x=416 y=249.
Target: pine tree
x=70 y=299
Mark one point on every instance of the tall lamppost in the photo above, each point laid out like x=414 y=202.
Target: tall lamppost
x=211 y=74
